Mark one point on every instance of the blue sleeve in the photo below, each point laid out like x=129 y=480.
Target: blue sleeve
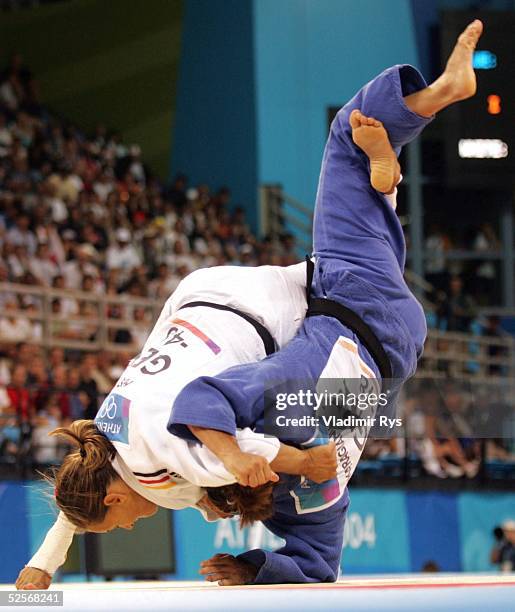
x=236 y=398
x=226 y=402
x=312 y=551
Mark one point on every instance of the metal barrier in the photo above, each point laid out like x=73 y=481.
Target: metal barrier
x=446 y=353
x=460 y=355
x=280 y=212
x=107 y=314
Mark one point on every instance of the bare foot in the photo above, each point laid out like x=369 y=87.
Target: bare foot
x=459 y=79
x=371 y=137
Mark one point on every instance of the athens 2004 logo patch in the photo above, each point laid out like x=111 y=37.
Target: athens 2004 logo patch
x=113 y=418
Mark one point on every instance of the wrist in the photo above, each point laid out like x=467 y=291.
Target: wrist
x=307 y=461
x=39 y=569
x=229 y=455
x=248 y=570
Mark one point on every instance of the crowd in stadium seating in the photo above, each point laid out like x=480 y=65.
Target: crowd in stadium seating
x=82 y=212
x=38 y=394
x=461 y=286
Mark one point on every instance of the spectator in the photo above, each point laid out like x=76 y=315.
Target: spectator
x=458 y=308
x=122 y=255
x=43 y=265
x=494 y=349
x=177 y=191
x=57 y=206
x=503 y=553
x=78 y=398
x=21 y=236
x=38 y=382
x=66 y=182
x=85 y=328
x=55 y=359
x=67 y=305
x=32 y=310
x=59 y=325
x=14 y=328
x=485 y=241
x=140 y=330
x=435 y=246
x=165 y=282
x=45 y=448
x=23 y=76
x=6 y=138
x=11 y=93
x=100 y=371
x=59 y=390
x=22 y=405
x=180 y=257
x=450 y=447
x=10 y=435
x=5 y=402
x=88 y=386
x=82 y=264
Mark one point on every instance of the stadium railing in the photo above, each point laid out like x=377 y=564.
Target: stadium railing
x=56 y=327
x=446 y=354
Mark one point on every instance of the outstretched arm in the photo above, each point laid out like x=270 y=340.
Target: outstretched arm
x=38 y=572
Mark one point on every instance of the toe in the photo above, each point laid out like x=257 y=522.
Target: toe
x=355 y=119
x=472 y=33
x=477 y=25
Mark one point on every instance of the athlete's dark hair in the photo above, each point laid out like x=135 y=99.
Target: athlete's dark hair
x=250 y=503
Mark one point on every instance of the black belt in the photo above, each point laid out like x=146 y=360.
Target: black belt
x=330 y=308
x=262 y=331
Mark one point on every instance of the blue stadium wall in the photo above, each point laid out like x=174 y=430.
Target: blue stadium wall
x=257 y=76
x=214 y=139
x=387 y=531
x=310 y=56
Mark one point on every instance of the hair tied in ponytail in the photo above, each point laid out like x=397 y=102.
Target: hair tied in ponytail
x=81 y=483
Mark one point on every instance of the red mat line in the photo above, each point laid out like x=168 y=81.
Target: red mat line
x=421 y=585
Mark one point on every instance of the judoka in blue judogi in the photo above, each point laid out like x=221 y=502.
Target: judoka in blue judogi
x=359 y=256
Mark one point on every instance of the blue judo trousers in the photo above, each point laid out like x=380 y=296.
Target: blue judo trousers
x=360 y=252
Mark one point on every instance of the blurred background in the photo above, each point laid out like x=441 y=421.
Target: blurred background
x=142 y=140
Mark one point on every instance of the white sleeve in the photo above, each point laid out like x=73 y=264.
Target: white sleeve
x=197 y=464
x=52 y=553
x=258 y=444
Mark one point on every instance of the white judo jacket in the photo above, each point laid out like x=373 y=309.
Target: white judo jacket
x=187 y=343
